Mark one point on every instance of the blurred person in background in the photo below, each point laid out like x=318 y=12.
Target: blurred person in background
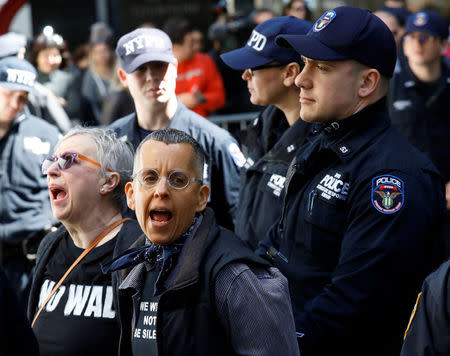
x=25 y=140
x=48 y=53
x=398 y=8
x=419 y=95
x=227 y=33
x=98 y=77
x=261 y=15
x=41 y=101
x=299 y=9
x=275 y=135
x=120 y=102
x=85 y=177
x=392 y=23
x=199 y=83
x=198 y=41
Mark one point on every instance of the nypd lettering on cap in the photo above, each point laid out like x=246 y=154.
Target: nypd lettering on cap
x=324 y=20
x=143 y=41
x=388 y=194
x=19 y=76
x=421 y=19
x=257 y=41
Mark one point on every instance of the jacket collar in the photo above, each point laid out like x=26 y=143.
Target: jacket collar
x=348 y=136
x=188 y=271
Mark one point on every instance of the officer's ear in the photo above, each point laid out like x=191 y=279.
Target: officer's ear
x=123 y=77
x=290 y=73
x=370 y=79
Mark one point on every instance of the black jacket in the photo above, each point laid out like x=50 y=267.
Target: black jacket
x=428 y=333
x=271 y=145
x=425 y=122
x=187 y=322
x=360 y=228
x=223 y=162
x=16 y=336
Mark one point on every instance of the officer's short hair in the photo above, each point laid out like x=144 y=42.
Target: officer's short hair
x=168 y=136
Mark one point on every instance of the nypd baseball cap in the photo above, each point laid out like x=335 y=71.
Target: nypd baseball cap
x=347 y=33
x=261 y=47
x=17 y=74
x=427 y=21
x=144 y=45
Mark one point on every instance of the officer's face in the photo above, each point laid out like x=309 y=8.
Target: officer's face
x=165 y=213
x=422 y=48
x=150 y=83
x=265 y=85
x=328 y=90
x=12 y=103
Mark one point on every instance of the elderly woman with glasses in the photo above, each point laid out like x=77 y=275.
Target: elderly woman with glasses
x=71 y=301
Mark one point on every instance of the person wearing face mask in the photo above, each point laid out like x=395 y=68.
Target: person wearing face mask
x=148 y=69
x=189 y=286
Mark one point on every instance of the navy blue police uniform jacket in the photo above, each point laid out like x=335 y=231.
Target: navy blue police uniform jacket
x=271 y=145
x=360 y=229
x=428 y=332
x=24 y=202
x=424 y=120
x=222 y=155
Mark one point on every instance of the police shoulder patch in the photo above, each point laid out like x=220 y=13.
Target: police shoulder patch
x=236 y=154
x=388 y=194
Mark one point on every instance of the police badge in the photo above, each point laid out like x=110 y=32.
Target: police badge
x=387 y=194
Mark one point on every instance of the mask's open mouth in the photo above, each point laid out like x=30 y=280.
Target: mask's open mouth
x=160 y=215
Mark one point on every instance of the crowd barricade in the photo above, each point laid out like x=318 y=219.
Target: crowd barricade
x=243 y=119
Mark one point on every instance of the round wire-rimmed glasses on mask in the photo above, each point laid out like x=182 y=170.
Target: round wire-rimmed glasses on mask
x=65 y=161
x=177 y=179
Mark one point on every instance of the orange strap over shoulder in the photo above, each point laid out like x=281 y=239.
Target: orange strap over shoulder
x=84 y=253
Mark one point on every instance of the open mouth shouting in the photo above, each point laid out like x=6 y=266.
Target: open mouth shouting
x=160 y=217
x=57 y=194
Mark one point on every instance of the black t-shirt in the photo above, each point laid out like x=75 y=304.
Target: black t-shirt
x=144 y=335
x=80 y=318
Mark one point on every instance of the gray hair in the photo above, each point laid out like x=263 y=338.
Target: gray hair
x=169 y=135
x=112 y=153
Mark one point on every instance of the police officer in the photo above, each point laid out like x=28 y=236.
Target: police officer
x=428 y=331
x=363 y=209
x=148 y=69
x=273 y=137
x=25 y=140
x=419 y=94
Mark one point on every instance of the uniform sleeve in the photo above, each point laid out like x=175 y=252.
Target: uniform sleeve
x=214 y=91
x=384 y=257
x=225 y=181
x=255 y=309
x=428 y=332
